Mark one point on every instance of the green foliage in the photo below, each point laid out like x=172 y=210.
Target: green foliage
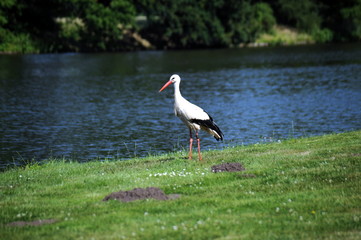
x=325 y=20
x=297 y=189
x=322 y=35
x=69 y=25
x=183 y=24
x=104 y=24
x=19 y=43
x=303 y=15
x=70 y=28
x=205 y=23
x=247 y=22
x=94 y=25
x=4 y=6
x=109 y=25
x=352 y=20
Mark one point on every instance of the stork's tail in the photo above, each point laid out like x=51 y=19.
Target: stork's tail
x=209 y=126
x=216 y=132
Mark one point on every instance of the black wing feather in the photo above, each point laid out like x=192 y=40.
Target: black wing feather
x=209 y=123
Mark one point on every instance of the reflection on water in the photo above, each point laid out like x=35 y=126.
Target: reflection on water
x=96 y=106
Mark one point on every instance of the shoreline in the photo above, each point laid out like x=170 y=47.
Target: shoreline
x=240 y=46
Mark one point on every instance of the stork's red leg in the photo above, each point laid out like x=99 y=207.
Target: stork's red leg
x=190 y=144
x=199 y=147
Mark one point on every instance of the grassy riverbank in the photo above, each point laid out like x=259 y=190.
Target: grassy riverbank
x=282 y=35
x=298 y=189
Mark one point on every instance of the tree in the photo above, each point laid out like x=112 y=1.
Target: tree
x=351 y=17
x=109 y=25
x=181 y=24
x=217 y=23
x=95 y=26
x=303 y=15
x=13 y=34
x=243 y=22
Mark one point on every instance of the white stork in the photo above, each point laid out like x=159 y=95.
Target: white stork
x=193 y=116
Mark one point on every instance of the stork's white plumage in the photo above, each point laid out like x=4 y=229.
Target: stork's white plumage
x=193 y=116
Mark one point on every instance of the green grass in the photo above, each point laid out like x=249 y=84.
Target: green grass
x=282 y=35
x=303 y=189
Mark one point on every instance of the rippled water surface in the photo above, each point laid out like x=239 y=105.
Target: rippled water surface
x=97 y=106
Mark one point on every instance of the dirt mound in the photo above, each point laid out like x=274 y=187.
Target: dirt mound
x=33 y=223
x=227 y=167
x=140 y=193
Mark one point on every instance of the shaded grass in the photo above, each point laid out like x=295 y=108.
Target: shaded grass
x=303 y=189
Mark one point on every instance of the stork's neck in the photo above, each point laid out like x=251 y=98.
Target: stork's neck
x=177 y=93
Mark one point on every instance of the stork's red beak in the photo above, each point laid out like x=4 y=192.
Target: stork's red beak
x=166 y=85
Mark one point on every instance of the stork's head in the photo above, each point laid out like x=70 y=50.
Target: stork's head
x=175 y=78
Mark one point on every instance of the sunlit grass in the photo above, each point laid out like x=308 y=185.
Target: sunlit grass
x=282 y=35
x=298 y=189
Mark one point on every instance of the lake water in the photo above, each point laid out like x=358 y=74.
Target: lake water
x=107 y=106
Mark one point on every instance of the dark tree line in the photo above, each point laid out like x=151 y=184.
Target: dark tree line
x=118 y=25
